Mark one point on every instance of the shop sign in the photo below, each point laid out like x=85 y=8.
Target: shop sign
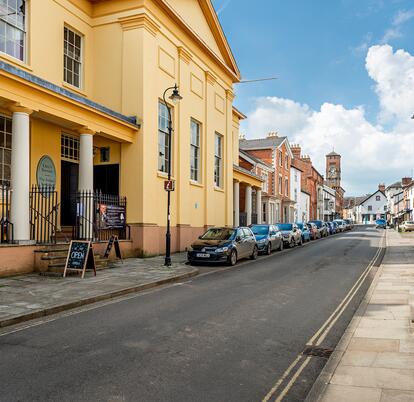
x=46 y=172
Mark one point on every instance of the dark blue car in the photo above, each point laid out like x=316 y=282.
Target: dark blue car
x=268 y=238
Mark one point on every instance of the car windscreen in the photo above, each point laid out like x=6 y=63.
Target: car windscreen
x=219 y=234
x=285 y=226
x=300 y=226
x=410 y=222
x=260 y=230
x=380 y=221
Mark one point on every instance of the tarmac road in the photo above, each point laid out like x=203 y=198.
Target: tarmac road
x=228 y=335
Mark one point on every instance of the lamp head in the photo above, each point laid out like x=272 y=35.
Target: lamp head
x=175 y=96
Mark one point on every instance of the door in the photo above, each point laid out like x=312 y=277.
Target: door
x=106 y=179
x=68 y=189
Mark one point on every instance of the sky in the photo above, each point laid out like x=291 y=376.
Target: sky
x=345 y=72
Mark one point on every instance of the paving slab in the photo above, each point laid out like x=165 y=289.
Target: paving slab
x=31 y=296
x=377 y=363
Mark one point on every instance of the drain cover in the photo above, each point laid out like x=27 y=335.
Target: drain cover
x=317 y=351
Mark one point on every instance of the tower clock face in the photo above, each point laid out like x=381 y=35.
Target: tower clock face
x=332 y=171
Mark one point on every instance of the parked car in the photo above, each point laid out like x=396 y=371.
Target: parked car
x=341 y=224
x=336 y=226
x=220 y=244
x=331 y=228
x=381 y=224
x=292 y=235
x=313 y=231
x=322 y=229
x=407 y=226
x=268 y=238
x=349 y=223
x=306 y=235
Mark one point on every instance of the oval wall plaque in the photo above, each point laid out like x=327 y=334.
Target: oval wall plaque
x=46 y=172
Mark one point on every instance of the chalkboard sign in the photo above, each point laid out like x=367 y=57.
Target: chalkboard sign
x=80 y=257
x=113 y=241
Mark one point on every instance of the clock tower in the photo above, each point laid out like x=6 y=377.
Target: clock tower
x=333 y=170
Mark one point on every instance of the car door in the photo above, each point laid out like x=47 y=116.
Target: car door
x=273 y=237
x=240 y=245
x=250 y=241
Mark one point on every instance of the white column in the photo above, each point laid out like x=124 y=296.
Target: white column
x=20 y=174
x=85 y=183
x=236 y=203
x=85 y=160
x=248 y=204
x=259 y=207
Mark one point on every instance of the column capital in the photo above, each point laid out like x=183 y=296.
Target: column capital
x=230 y=95
x=211 y=78
x=16 y=107
x=184 y=54
x=85 y=130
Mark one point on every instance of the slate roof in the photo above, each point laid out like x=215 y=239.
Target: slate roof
x=261 y=143
x=397 y=184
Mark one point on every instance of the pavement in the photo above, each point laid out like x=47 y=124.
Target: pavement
x=26 y=297
x=374 y=361
x=228 y=334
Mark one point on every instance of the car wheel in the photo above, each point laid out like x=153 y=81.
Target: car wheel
x=300 y=241
x=232 y=260
x=291 y=243
x=254 y=254
x=281 y=245
x=269 y=249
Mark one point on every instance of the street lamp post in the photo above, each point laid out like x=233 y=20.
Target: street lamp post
x=175 y=97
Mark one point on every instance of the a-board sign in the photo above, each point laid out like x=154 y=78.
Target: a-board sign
x=113 y=241
x=80 y=257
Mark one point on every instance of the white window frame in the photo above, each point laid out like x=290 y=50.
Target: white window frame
x=265 y=185
x=10 y=18
x=163 y=135
x=195 y=152
x=5 y=149
x=218 y=160
x=280 y=183
x=69 y=147
x=71 y=56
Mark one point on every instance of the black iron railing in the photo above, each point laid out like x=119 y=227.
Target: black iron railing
x=6 y=227
x=43 y=214
x=100 y=216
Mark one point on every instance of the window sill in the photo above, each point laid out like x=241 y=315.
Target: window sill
x=164 y=175
x=72 y=88
x=219 y=189
x=16 y=62
x=196 y=184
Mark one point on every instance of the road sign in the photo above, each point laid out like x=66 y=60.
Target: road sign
x=169 y=185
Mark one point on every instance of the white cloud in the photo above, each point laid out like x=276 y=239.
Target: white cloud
x=398 y=21
x=370 y=153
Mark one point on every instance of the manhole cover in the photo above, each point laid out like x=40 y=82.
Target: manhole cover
x=317 y=351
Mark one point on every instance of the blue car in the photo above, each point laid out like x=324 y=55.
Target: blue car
x=306 y=236
x=381 y=223
x=331 y=228
x=268 y=238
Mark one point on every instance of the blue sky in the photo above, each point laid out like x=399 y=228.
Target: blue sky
x=318 y=49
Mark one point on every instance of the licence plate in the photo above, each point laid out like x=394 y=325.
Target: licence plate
x=202 y=255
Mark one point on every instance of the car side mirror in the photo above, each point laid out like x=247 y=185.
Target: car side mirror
x=238 y=238
x=200 y=237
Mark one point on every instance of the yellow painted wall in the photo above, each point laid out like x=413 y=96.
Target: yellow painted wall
x=128 y=62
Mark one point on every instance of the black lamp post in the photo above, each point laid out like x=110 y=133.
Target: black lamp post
x=175 y=97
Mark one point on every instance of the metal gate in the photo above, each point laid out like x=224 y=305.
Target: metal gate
x=43 y=214
x=6 y=227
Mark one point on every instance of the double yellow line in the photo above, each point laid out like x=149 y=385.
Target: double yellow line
x=321 y=334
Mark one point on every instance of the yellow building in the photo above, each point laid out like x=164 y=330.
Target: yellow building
x=81 y=87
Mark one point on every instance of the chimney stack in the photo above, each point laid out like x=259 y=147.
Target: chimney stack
x=296 y=150
x=405 y=181
x=381 y=187
x=272 y=134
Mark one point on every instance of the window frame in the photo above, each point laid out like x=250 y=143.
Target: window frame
x=280 y=183
x=7 y=122
x=196 y=147
x=218 y=158
x=81 y=57
x=14 y=26
x=166 y=134
x=71 y=140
